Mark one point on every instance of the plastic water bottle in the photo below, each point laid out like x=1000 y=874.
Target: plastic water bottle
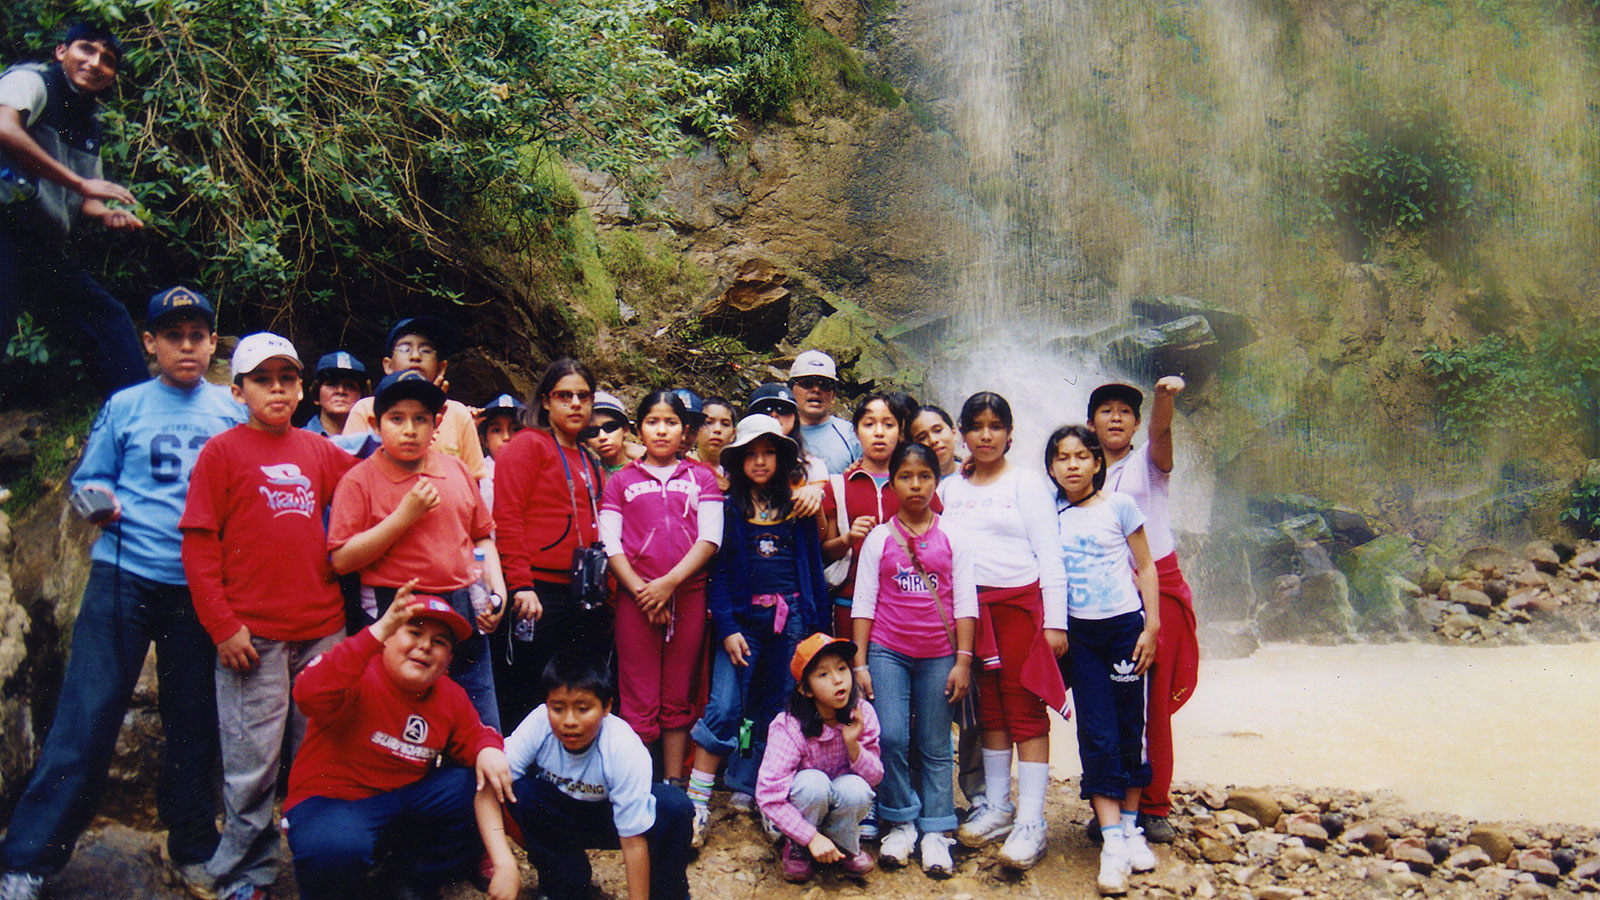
x=478 y=591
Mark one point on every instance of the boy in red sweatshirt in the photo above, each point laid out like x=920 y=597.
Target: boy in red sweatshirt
x=365 y=784
x=254 y=553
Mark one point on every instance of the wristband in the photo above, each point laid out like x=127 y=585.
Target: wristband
x=966 y=653
x=858 y=668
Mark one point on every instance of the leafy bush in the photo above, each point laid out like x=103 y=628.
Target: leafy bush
x=328 y=148
x=759 y=47
x=1543 y=390
x=1402 y=169
x=1583 y=505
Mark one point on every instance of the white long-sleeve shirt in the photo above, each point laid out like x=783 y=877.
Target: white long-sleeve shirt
x=1010 y=524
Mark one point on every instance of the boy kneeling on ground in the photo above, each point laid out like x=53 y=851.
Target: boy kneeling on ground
x=583 y=781
x=364 y=789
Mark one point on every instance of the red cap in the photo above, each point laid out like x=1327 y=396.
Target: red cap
x=430 y=607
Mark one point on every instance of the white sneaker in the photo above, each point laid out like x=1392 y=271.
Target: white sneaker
x=1140 y=857
x=699 y=826
x=1025 y=845
x=1114 y=869
x=936 y=862
x=895 y=850
x=984 y=827
x=20 y=886
x=741 y=801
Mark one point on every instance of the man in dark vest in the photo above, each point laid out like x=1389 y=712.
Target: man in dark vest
x=50 y=178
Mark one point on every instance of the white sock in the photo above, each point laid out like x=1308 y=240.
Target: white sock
x=1033 y=781
x=1130 y=821
x=997 y=778
x=1112 y=837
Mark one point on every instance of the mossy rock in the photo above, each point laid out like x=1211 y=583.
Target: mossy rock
x=864 y=357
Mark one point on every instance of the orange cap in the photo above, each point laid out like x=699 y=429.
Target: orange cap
x=810 y=647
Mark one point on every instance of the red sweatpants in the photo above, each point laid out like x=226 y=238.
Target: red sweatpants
x=655 y=676
x=1176 y=629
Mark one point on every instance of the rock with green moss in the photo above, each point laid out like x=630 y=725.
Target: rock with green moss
x=852 y=338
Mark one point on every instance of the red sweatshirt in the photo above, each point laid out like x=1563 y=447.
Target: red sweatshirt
x=366 y=736
x=535 y=528
x=254 y=546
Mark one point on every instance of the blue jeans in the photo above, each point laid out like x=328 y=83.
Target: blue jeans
x=1110 y=704
x=428 y=827
x=120 y=615
x=912 y=709
x=757 y=691
x=835 y=806
x=556 y=830
x=37 y=276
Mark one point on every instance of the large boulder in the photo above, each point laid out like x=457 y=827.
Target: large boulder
x=1382 y=574
x=755 y=307
x=1232 y=329
x=1186 y=346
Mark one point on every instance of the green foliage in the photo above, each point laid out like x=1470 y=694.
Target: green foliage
x=1400 y=169
x=33 y=365
x=760 y=49
x=55 y=452
x=1583 y=505
x=318 y=148
x=837 y=64
x=1540 y=391
x=30 y=345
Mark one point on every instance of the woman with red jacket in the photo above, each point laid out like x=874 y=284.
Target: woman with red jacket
x=546 y=499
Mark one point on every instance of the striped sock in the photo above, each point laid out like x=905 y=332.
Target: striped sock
x=700 y=786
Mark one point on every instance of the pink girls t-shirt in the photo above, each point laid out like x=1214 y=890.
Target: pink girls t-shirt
x=901 y=604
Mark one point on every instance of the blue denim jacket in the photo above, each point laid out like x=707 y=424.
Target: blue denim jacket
x=728 y=590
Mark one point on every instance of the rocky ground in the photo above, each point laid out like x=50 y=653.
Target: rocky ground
x=1322 y=845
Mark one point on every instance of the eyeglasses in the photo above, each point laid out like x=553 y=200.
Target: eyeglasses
x=590 y=432
x=407 y=348
x=815 y=383
x=571 y=397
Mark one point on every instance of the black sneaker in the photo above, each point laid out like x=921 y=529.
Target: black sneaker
x=1157 y=830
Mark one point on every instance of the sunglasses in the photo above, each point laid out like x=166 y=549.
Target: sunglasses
x=775 y=409
x=815 y=383
x=590 y=432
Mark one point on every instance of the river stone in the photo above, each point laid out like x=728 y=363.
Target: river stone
x=1257 y=804
x=1294 y=857
x=1588 y=870
x=1457 y=625
x=1232 y=329
x=1413 y=852
x=1307 y=529
x=1495 y=880
x=1474 y=600
x=1368 y=836
x=1215 y=851
x=1332 y=822
x=1565 y=859
x=1214 y=797
x=1188 y=345
x=1241 y=820
x=1263 y=844
x=1494 y=841
x=1536 y=861
x=1488 y=560
x=1278 y=892
x=1543 y=556
x=1469 y=857
x=1305 y=826
x=1497 y=589
x=1587 y=558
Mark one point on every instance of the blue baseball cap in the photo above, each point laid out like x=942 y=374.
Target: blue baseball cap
x=691 y=402
x=444 y=336
x=503 y=404
x=339 y=363
x=770 y=396
x=179 y=301
x=406 y=385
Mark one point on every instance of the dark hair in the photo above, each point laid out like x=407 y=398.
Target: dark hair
x=93 y=32
x=908 y=449
x=655 y=398
x=936 y=410
x=553 y=374
x=804 y=708
x=985 y=401
x=777 y=492
x=577 y=671
x=1085 y=436
x=716 y=400
x=896 y=403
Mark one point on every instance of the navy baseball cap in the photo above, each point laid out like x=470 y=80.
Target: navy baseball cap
x=407 y=385
x=339 y=363
x=503 y=404
x=1127 y=393
x=444 y=336
x=770 y=396
x=177 y=301
x=691 y=402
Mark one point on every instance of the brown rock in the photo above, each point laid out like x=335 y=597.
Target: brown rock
x=1412 y=851
x=1243 y=821
x=1537 y=862
x=1469 y=857
x=1488 y=560
x=1588 y=870
x=1257 y=804
x=1278 y=892
x=1295 y=857
x=1307 y=826
x=1213 y=797
x=1215 y=851
x=1530 y=891
x=1495 y=880
x=755 y=307
x=1543 y=556
x=1493 y=841
x=1587 y=558
x=1370 y=837
x=1532 y=600
x=1476 y=601
x=1528 y=576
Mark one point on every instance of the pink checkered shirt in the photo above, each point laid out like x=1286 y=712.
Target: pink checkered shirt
x=789 y=752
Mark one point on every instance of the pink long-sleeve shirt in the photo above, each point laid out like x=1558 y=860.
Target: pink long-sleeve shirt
x=789 y=752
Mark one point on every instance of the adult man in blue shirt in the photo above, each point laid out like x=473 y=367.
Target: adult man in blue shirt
x=814 y=378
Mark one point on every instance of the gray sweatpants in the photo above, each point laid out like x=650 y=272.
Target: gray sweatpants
x=256 y=713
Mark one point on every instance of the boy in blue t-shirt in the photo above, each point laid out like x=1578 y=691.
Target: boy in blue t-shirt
x=583 y=781
x=138 y=459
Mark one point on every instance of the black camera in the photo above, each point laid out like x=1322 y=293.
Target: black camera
x=589 y=568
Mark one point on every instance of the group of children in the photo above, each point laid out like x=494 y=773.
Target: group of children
x=803 y=603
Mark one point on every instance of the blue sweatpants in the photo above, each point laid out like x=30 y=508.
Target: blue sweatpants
x=557 y=829
x=1109 y=701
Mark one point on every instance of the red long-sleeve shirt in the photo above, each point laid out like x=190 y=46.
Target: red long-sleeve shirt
x=366 y=736
x=538 y=521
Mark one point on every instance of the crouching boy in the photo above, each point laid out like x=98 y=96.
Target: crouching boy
x=365 y=790
x=583 y=781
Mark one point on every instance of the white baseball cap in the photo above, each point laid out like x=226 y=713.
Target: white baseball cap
x=255 y=349
x=813 y=362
